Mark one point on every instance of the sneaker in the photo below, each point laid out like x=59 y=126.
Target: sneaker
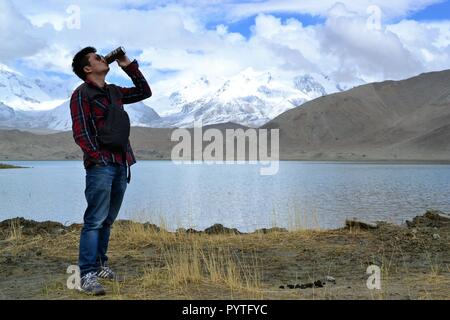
x=106 y=272
x=90 y=285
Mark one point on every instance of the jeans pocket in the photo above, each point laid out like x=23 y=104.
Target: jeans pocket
x=100 y=172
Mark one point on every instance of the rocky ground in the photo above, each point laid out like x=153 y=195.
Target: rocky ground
x=221 y=263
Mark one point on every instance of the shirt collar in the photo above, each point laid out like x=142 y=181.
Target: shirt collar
x=95 y=85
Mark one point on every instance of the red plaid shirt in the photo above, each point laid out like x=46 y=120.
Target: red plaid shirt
x=87 y=118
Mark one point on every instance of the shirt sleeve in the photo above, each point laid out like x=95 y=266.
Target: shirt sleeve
x=80 y=112
x=141 y=89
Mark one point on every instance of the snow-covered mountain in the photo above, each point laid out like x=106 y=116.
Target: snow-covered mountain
x=36 y=104
x=250 y=98
x=24 y=94
x=6 y=112
x=60 y=119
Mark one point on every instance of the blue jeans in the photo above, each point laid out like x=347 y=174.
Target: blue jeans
x=105 y=188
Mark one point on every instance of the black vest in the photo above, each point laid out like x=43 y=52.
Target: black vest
x=114 y=135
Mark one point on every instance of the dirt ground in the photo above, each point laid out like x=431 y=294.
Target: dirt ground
x=220 y=263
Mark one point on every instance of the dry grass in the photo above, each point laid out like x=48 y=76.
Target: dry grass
x=158 y=264
x=15 y=231
x=297 y=219
x=187 y=259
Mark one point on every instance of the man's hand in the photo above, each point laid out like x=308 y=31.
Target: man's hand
x=123 y=61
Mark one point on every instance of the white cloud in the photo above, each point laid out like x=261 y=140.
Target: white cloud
x=429 y=41
x=56 y=58
x=16 y=34
x=173 y=36
x=377 y=54
x=390 y=9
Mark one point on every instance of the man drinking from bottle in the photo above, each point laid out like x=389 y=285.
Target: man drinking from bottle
x=100 y=128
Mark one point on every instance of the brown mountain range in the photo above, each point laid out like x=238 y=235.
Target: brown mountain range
x=391 y=120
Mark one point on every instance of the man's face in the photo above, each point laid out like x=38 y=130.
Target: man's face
x=98 y=64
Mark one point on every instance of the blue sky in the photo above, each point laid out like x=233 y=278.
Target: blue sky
x=439 y=11
x=436 y=12
x=245 y=25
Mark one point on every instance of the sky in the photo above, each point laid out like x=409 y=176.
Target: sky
x=178 y=41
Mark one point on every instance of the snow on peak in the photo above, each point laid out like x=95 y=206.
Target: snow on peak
x=22 y=93
x=250 y=97
x=5 y=69
x=308 y=84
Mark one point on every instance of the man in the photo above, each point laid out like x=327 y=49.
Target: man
x=106 y=170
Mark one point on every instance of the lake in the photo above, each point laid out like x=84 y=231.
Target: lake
x=302 y=194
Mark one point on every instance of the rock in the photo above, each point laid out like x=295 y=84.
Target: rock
x=307 y=285
x=275 y=229
x=129 y=223
x=75 y=226
x=437 y=215
x=318 y=284
x=220 y=229
x=190 y=230
x=432 y=219
x=151 y=226
x=31 y=227
x=436 y=236
x=315 y=284
x=330 y=279
x=360 y=224
x=60 y=231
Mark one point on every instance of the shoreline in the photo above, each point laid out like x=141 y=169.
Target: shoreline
x=339 y=161
x=50 y=226
x=219 y=227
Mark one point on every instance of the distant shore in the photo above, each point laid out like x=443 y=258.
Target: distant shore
x=381 y=161
x=9 y=166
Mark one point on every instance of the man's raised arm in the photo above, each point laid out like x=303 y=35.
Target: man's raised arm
x=141 y=89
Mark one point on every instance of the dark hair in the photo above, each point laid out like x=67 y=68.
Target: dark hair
x=81 y=60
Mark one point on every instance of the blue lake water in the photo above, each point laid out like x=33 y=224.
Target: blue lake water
x=302 y=194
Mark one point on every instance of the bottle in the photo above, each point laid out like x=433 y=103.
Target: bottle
x=115 y=54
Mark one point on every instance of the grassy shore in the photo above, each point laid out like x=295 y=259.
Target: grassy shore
x=220 y=263
x=9 y=166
